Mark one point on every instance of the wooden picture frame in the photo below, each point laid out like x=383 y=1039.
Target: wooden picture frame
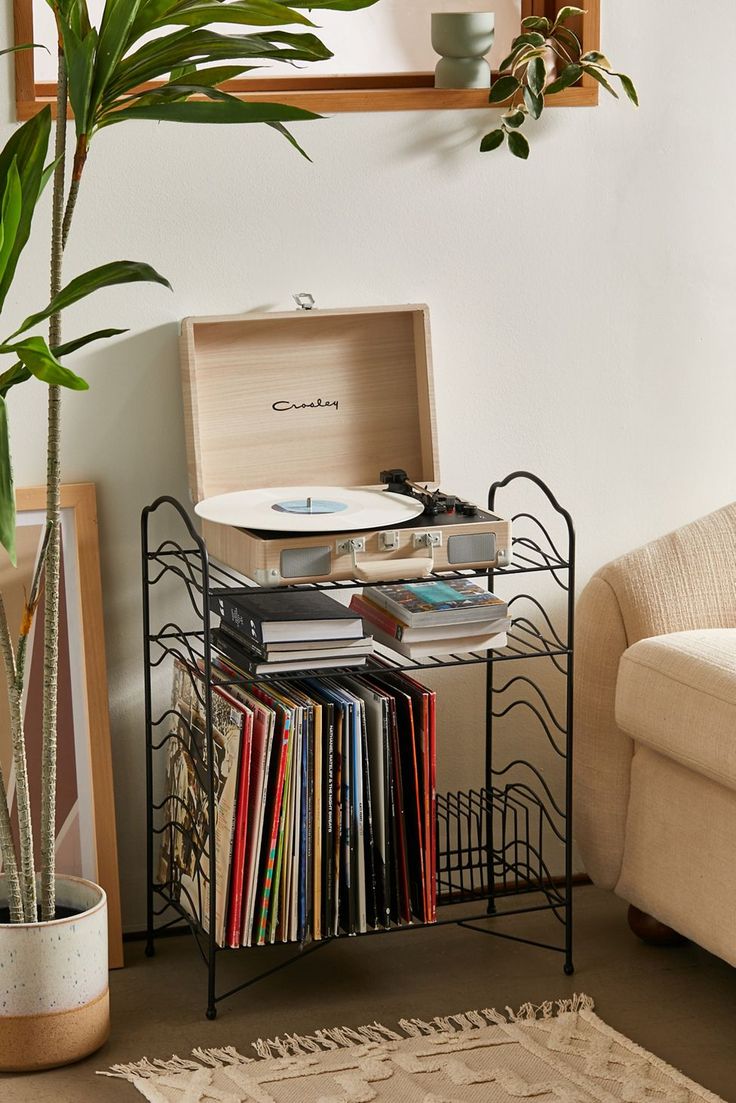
x=335 y=94
x=86 y=831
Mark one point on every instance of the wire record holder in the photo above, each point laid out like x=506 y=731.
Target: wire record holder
x=505 y=846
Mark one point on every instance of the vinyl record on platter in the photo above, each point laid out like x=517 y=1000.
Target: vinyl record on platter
x=309 y=508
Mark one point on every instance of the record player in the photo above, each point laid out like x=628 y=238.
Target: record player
x=291 y=420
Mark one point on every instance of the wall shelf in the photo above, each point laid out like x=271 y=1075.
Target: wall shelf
x=335 y=94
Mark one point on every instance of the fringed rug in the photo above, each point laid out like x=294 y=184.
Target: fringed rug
x=557 y=1053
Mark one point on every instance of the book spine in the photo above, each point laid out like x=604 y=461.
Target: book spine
x=233 y=617
x=329 y=815
x=339 y=817
x=370 y=842
x=377 y=617
x=238 y=862
x=233 y=652
x=244 y=643
x=273 y=836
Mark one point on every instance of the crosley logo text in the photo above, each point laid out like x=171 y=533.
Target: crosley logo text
x=320 y=404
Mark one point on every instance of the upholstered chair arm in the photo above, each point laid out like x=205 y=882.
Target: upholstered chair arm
x=602 y=753
x=683 y=581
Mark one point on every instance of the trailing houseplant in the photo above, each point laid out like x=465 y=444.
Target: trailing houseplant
x=545 y=59
x=146 y=59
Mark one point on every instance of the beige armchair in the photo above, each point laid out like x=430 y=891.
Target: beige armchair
x=655 y=752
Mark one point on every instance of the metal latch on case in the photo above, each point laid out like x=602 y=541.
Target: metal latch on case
x=384 y=570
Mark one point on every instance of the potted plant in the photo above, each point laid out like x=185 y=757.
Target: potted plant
x=545 y=59
x=53 y=937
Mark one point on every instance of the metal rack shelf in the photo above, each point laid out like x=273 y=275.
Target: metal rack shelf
x=493 y=841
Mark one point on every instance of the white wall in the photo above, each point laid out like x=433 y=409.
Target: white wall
x=582 y=303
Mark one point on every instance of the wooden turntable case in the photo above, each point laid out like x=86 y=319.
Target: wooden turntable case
x=312 y=397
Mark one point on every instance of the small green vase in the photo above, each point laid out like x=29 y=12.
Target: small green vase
x=462 y=39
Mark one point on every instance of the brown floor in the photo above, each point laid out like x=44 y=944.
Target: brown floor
x=677 y=1003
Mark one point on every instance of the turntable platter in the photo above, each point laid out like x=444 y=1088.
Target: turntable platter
x=310 y=509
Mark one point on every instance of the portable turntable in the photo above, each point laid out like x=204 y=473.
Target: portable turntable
x=291 y=419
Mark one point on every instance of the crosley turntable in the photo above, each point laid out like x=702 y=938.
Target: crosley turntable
x=290 y=421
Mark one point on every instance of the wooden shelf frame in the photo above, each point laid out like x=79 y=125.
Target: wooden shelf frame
x=334 y=93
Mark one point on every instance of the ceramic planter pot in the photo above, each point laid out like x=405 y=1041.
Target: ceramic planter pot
x=54 y=1003
x=462 y=39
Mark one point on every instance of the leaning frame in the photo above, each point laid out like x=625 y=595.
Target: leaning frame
x=88 y=686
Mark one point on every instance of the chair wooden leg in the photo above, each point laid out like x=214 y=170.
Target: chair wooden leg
x=651 y=931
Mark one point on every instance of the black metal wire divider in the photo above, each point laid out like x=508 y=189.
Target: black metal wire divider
x=491 y=842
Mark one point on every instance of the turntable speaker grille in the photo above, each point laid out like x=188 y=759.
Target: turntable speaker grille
x=478 y=548
x=306 y=562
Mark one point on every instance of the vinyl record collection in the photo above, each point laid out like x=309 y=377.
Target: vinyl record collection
x=325 y=806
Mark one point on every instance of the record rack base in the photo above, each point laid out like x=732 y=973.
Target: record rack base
x=500 y=845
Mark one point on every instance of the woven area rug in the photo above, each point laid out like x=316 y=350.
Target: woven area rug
x=557 y=1053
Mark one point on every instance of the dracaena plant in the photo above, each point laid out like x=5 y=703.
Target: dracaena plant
x=23 y=177
x=159 y=60
x=524 y=82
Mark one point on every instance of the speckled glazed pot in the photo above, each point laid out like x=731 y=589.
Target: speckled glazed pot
x=54 y=1003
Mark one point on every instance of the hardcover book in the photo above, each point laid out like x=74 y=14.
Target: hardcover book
x=248 y=663
x=278 y=616
x=426 y=604
x=374 y=616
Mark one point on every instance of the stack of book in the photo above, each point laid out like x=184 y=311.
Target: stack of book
x=325 y=806
x=418 y=619
x=263 y=633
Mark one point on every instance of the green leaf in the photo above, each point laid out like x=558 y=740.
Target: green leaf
x=27 y=146
x=536 y=23
x=514 y=118
x=518 y=144
x=567 y=13
x=7 y=492
x=162 y=55
x=503 y=89
x=107 y=275
x=492 y=140
x=536 y=75
x=569 y=76
x=568 y=38
x=79 y=342
x=10 y=215
x=334 y=5
x=197 y=79
x=117 y=21
x=13 y=376
x=595 y=57
x=24 y=46
x=80 y=58
x=35 y=355
x=254 y=13
x=230 y=110
x=509 y=61
x=628 y=87
x=74 y=13
x=534 y=103
x=596 y=74
x=531 y=39
x=48 y=172
x=282 y=130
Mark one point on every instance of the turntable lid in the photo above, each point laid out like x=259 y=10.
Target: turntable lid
x=321 y=396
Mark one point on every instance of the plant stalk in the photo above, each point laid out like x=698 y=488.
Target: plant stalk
x=53 y=557
x=29 y=613
x=20 y=762
x=16 y=889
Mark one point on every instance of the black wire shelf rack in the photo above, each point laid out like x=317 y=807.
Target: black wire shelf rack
x=505 y=845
